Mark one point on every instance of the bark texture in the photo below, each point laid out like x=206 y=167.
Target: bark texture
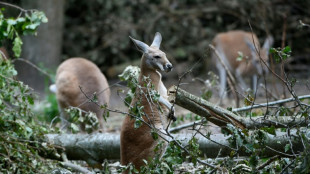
x=222 y=117
x=95 y=148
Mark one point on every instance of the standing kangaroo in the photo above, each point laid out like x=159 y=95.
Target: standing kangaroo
x=138 y=144
x=230 y=45
x=73 y=74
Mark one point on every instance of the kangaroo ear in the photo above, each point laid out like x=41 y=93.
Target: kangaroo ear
x=141 y=46
x=157 y=40
x=267 y=44
x=250 y=44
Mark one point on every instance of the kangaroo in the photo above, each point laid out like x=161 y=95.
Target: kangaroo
x=138 y=144
x=230 y=45
x=73 y=74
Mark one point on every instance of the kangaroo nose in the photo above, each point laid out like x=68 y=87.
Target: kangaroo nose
x=169 y=67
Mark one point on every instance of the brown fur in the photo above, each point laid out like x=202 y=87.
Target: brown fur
x=233 y=42
x=228 y=45
x=138 y=144
x=76 y=72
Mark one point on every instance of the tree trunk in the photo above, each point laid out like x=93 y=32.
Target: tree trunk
x=45 y=48
x=94 y=148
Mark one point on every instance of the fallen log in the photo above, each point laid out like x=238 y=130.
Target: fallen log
x=95 y=148
x=211 y=112
x=222 y=117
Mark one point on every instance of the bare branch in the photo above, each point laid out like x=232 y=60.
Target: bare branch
x=269 y=103
x=75 y=167
x=14 y=6
x=269 y=161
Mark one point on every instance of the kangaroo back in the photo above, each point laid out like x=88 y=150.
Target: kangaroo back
x=75 y=73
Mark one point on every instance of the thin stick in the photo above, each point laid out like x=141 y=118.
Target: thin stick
x=282 y=46
x=36 y=67
x=231 y=79
x=187 y=125
x=75 y=167
x=15 y=6
x=184 y=126
x=269 y=103
x=267 y=162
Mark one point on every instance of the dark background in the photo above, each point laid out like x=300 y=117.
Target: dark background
x=98 y=30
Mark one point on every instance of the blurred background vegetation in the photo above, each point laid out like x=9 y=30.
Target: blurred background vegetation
x=99 y=29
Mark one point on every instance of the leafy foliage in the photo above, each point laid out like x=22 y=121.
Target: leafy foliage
x=281 y=54
x=102 y=27
x=130 y=75
x=14 y=28
x=210 y=84
x=21 y=134
x=78 y=117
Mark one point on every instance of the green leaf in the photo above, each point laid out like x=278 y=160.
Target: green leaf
x=30 y=100
x=240 y=56
x=287 y=147
x=154 y=135
x=248 y=100
x=287 y=50
x=137 y=124
x=17 y=46
x=32 y=26
x=270 y=130
x=11 y=21
x=74 y=128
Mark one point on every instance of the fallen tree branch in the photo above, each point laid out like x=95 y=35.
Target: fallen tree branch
x=211 y=112
x=222 y=117
x=95 y=148
x=257 y=122
x=92 y=148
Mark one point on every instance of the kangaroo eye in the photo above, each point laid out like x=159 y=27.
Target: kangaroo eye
x=157 y=57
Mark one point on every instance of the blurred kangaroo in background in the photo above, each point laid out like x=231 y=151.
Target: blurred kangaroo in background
x=73 y=74
x=233 y=44
x=138 y=144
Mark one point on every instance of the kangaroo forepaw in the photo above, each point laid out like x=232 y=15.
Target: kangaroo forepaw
x=171 y=114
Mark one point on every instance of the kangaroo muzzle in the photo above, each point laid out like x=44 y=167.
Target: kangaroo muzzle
x=168 y=67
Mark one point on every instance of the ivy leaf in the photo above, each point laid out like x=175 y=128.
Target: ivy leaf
x=137 y=124
x=271 y=130
x=11 y=21
x=240 y=56
x=287 y=147
x=17 y=46
x=154 y=135
x=248 y=100
x=74 y=128
x=30 y=100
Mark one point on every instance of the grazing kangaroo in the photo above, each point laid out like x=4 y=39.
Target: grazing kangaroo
x=73 y=74
x=229 y=45
x=138 y=144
